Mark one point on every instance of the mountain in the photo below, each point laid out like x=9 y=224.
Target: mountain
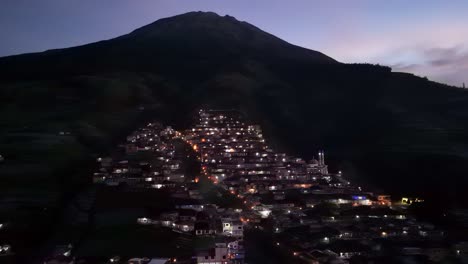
x=397 y=132
x=190 y=41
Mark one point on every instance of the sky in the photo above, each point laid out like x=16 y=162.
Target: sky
x=424 y=37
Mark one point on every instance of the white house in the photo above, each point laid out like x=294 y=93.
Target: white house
x=217 y=255
x=184 y=226
x=233 y=228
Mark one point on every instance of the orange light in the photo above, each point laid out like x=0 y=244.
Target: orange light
x=203 y=140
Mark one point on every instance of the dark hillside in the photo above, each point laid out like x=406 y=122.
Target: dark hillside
x=396 y=131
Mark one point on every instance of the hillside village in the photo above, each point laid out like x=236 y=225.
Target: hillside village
x=218 y=185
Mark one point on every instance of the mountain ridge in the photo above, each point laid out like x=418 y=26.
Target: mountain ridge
x=180 y=34
x=357 y=112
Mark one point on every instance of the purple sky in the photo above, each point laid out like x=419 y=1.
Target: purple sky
x=427 y=37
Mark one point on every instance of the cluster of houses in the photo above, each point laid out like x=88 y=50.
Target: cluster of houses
x=220 y=224
x=63 y=254
x=198 y=219
x=317 y=215
x=150 y=159
x=147 y=160
x=229 y=147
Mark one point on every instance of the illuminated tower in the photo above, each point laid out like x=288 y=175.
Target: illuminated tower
x=321 y=162
x=321 y=158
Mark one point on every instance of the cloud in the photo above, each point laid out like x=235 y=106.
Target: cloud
x=443 y=52
x=405 y=67
x=441 y=62
x=448 y=65
x=432 y=47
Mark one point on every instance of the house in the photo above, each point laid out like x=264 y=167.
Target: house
x=145 y=221
x=346 y=249
x=171 y=215
x=279 y=196
x=167 y=219
x=187 y=215
x=384 y=200
x=105 y=162
x=191 y=204
x=166 y=222
x=99 y=177
x=139 y=261
x=204 y=229
x=319 y=256
x=195 y=194
x=219 y=255
x=236 y=250
x=233 y=228
x=174 y=176
x=183 y=226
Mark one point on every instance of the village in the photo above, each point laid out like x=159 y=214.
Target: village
x=219 y=185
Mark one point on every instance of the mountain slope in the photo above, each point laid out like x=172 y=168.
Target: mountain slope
x=191 y=40
x=398 y=132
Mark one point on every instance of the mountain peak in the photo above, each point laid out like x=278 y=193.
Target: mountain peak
x=192 y=37
x=190 y=21
x=215 y=32
x=202 y=15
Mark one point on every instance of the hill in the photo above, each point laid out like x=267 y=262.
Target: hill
x=397 y=132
